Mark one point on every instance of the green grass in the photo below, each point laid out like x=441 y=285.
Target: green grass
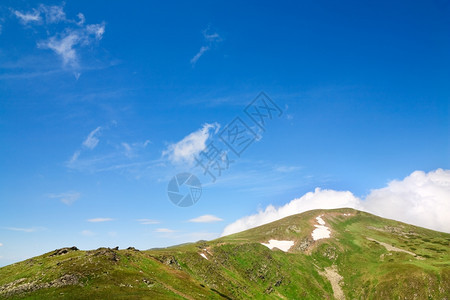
x=239 y=267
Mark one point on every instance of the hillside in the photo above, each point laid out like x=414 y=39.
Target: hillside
x=340 y=253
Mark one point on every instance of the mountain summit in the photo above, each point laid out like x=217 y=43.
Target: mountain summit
x=319 y=254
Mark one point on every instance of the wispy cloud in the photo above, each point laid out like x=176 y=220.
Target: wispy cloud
x=25 y=18
x=127 y=148
x=185 y=150
x=49 y=14
x=147 y=221
x=210 y=39
x=66 y=198
x=64 y=47
x=53 y=14
x=131 y=149
x=287 y=169
x=64 y=43
x=28 y=230
x=206 y=219
x=87 y=233
x=164 y=230
x=81 y=18
x=92 y=140
x=98 y=220
x=74 y=157
x=199 y=54
x=130 y=157
x=1 y=244
x=90 y=143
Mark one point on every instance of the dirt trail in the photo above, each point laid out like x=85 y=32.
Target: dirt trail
x=391 y=248
x=333 y=276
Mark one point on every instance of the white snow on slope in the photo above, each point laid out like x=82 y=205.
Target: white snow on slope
x=203 y=255
x=282 y=245
x=320 y=220
x=321 y=231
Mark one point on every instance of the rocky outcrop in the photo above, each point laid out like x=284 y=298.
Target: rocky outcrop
x=63 y=251
x=20 y=286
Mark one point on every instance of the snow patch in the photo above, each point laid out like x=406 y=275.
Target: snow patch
x=321 y=231
x=320 y=220
x=204 y=256
x=282 y=245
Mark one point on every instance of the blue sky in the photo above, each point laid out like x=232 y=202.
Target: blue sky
x=102 y=103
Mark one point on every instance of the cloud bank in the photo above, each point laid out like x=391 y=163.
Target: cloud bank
x=421 y=199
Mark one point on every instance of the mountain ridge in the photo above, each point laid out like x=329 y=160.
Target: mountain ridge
x=364 y=257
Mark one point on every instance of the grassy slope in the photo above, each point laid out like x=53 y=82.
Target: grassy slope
x=239 y=267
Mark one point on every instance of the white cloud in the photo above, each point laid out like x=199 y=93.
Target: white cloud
x=66 y=198
x=92 y=140
x=53 y=14
x=97 y=30
x=28 y=230
x=1 y=244
x=74 y=157
x=25 y=18
x=164 y=230
x=312 y=200
x=87 y=233
x=127 y=147
x=199 y=54
x=287 y=169
x=185 y=150
x=133 y=149
x=64 y=47
x=147 y=221
x=211 y=39
x=98 y=220
x=420 y=199
x=67 y=42
x=82 y=19
x=205 y=219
